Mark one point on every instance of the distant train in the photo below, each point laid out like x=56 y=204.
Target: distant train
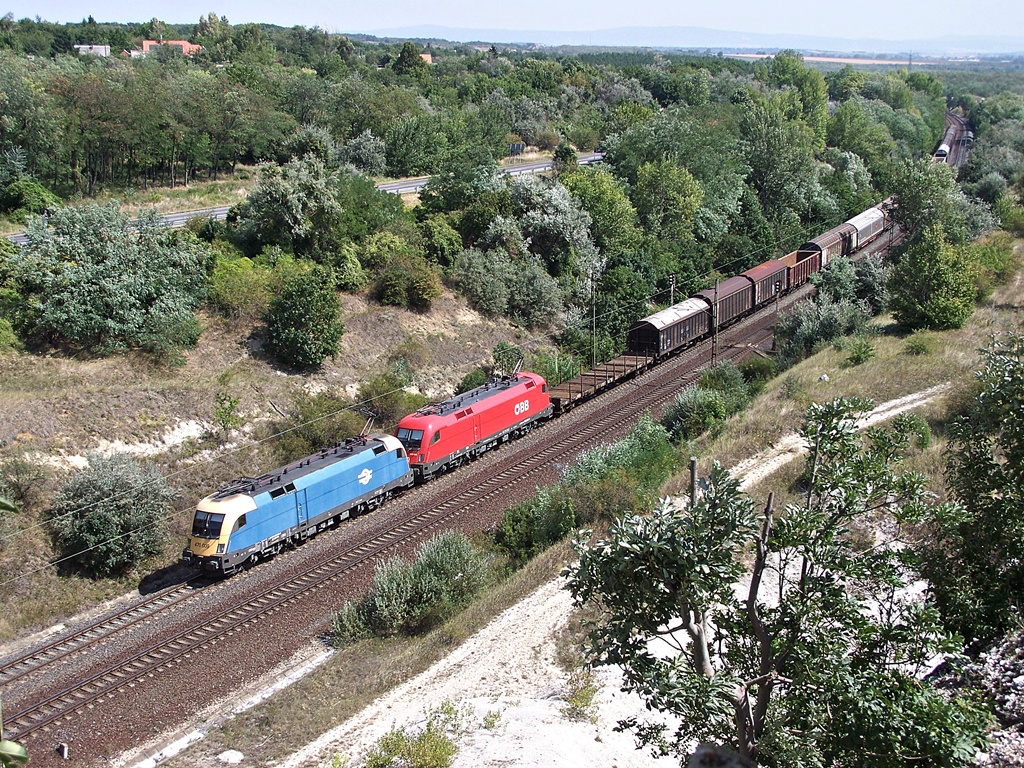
x=254 y=518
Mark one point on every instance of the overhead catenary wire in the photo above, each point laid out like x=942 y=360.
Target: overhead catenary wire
x=353 y=406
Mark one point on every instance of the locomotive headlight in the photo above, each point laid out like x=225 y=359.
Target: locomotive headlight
x=220 y=549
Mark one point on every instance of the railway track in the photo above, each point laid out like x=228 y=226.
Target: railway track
x=65 y=645
x=590 y=424
x=654 y=388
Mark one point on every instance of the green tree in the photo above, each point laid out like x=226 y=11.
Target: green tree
x=96 y=279
x=820 y=658
x=667 y=197
x=934 y=284
x=976 y=562
x=614 y=221
x=112 y=514
x=409 y=61
x=924 y=194
x=303 y=327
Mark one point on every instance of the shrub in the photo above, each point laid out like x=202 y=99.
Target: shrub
x=22 y=480
x=239 y=289
x=100 y=281
x=918 y=344
x=110 y=515
x=412 y=597
x=812 y=323
x=433 y=747
x=441 y=240
x=409 y=282
x=320 y=420
x=693 y=412
x=530 y=527
x=472 y=380
x=303 y=327
x=726 y=379
x=8 y=338
x=860 y=350
x=348 y=272
x=757 y=371
x=28 y=197
x=386 y=398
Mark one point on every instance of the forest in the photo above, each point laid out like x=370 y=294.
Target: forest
x=710 y=166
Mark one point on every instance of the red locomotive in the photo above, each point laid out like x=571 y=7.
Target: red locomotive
x=445 y=435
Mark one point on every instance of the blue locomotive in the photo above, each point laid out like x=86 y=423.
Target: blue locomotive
x=254 y=518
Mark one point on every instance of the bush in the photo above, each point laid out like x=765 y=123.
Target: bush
x=407 y=598
x=318 y=421
x=693 y=412
x=8 y=338
x=99 y=281
x=28 y=197
x=726 y=379
x=409 y=282
x=475 y=378
x=860 y=350
x=757 y=371
x=813 y=323
x=303 y=327
x=240 y=290
x=111 y=515
x=386 y=398
x=918 y=344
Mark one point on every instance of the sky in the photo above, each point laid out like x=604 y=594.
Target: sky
x=885 y=19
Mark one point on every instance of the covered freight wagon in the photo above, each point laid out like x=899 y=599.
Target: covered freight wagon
x=669 y=329
x=735 y=296
x=838 y=241
x=769 y=279
x=869 y=225
x=800 y=265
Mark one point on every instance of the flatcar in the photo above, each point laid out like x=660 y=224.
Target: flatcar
x=254 y=518
x=445 y=435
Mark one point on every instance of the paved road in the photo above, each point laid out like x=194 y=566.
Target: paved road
x=397 y=187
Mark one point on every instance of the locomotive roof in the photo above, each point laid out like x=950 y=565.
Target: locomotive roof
x=672 y=315
x=289 y=473
x=493 y=386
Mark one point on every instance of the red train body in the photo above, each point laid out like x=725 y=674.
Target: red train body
x=445 y=435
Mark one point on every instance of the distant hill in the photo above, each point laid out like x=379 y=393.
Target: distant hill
x=702 y=38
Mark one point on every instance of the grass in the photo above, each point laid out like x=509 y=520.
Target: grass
x=359 y=675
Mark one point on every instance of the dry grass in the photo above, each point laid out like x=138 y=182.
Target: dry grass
x=359 y=675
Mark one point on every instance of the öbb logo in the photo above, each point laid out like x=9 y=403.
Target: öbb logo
x=522 y=407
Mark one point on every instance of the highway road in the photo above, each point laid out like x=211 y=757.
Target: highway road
x=397 y=187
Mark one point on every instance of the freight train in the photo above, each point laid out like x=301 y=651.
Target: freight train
x=254 y=518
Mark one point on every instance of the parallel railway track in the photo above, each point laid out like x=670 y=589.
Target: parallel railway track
x=526 y=465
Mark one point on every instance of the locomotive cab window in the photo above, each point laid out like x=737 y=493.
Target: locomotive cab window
x=412 y=439
x=207 y=526
x=436 y=437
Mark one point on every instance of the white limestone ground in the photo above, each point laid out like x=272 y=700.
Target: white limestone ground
x=508 y=668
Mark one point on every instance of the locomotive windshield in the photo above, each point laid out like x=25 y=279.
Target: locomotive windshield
x=411 y=438
x=206 y=525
